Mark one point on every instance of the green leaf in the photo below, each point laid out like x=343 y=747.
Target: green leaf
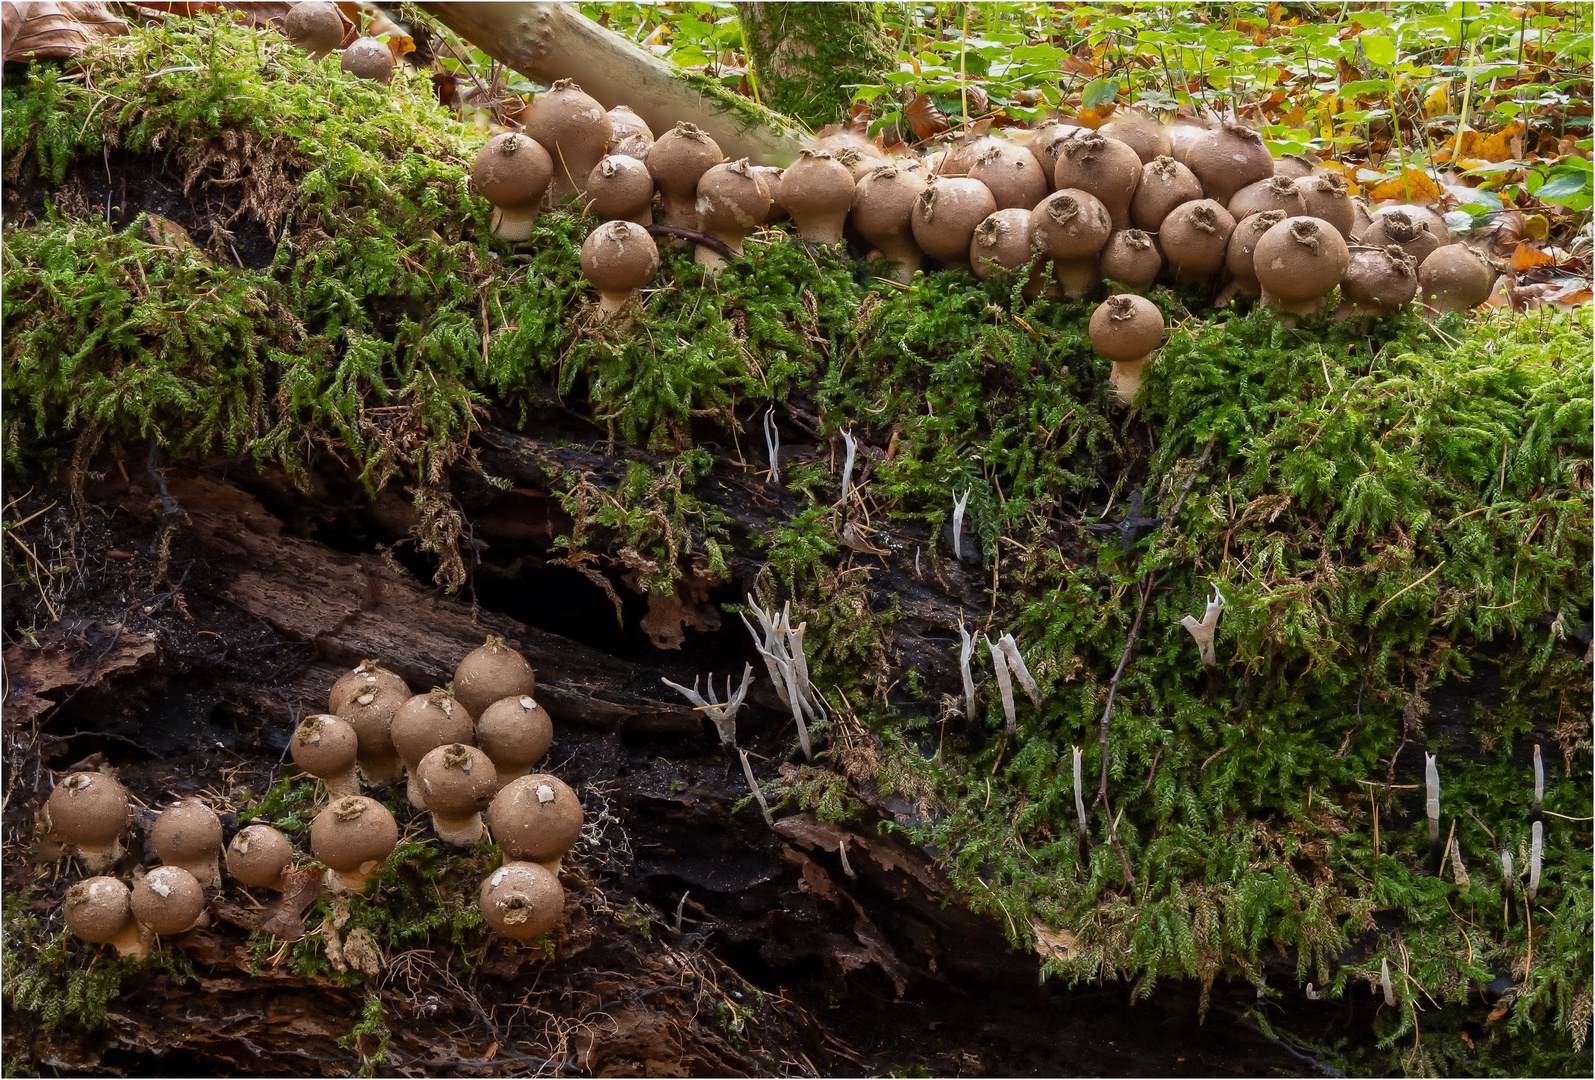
x=1379 y=48
x=1098 y=92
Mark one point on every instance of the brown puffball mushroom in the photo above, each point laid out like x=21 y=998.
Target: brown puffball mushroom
x=1132 y=259
x=1002 y=240
x=817 y=191
x=1071 y=227
x=945 y=216
x=99 y=910
x=189 y=834
x=493 y=671
x=858 y=154
x=883 y=208
x=1183 y=133
x=89 y=810
x=515 y=732
x=620 y=189
x=1195 y=237
x=575 y=131
x=167 y=900
x=512 y=171
x=315 y=26
x=618 y=257
x=522 y=900
x=676 y=161
x=772 y=180
x=352 y=837
x=629 y=134
x=422 y=724
x=368 y=58
x=371 y=714
x=1046 y=144
x=1453 y=278
x=456 y=782
x=1275 y=193
x=1430 y=216
x=1105 y=167
x=1238 y=257
x=1400 y=226
x=364 y=676
x=1148 y=138
x=257 y=857
x=1378 y=282
x=326 y=747
x=1228 y=158
x=1326 y=197
x=536 y=817
x=1296 y=166
x=1298 y=262
x=1164 y=184
x=732 y=199
x=1360 y=219
x=1126 y=329
x=1011 y=173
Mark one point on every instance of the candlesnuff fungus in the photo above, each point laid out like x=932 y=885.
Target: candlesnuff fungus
x=1431 y=781
x=1002 y=240
x=536 y=817
x=817 y=191
x=315 y=26
x=515 y=732
x=883 y=206
x=676 y=161
x=1536 y=852
x=1508 y=898
x=99 y=910
x=1195 y=239
x=1105 y=167
x=1010 y=649
x=1204 y=630
x=1070 y=227
x=575 y=131
x=959 y=505
x=1126 y=329
x=1227 y=158
x=1453 y=278
x=1131 y=259
x=367 y=675
x=167 y=900
x=772 y=443
x=1275 y=193
x=945 y=216
x=620 y=189
x=1377 y=282
x=732 y=199
x=421 y=725
x=258 y=855
x=618 y=258
x=513 y=171
x=371 y=714
x=89 y=810
x=522 y=900
x=456 y=781
x=490 y=673
x=1539 y=781
x=1010 y=173
x=1298 y=263
x=1164 y=185
x=966 y=653
x=368 y=58
x=1148 y=138
x=847 y=467
x=1079 y=800
x=189 y=834
x=782 y=649
x=1457 y=869
x=999 y=663
x=629 y=134
x=352 y=837
x=326 y=747
x=753 y=786
x=1240 y=255
x=724 y=716
x=1384 y=981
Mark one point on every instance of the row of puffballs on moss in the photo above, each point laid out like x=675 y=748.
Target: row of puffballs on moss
x=1121 y=203
x=375 y=728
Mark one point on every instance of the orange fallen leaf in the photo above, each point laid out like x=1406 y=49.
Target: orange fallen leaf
x=1527 y=256
x=399 y=44
x=924 y=118
x=1411 y=186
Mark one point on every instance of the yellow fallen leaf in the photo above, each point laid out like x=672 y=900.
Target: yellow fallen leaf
x=1536 y=227
x=1497 y=147
x=1437 y=102
x=1412 y=186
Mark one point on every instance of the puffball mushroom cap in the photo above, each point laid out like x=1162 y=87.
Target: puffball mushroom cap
x=1125 y=329
x=371 y=715
x=945 y=215
x=1195 y=238
x=1107 y=168
x=677 y=161
x=1296 y=166
x=1377 y=282
x=1400 y=226
x=619 y=187
x=326 y=747
x=257 y=856
x=315 y=26
x=1453 y=278
x=167 y=900
x=536 y=817
x=732 y=199
x=1327 y=197
x=883 y=208
x=352 y=837
x=522 y=900
x=368 y=58
x=619 y=258
x=1131 y=258
x=189 y=834
x=99 y=910
x=1140 y=132
x=495 y=670
x=367 y=675
x=1242 y=250
x=1298 y=262
x=422 y=724
x=457 y=781
x=515 y=732
x=1275 y=193
x=1046 y=144
x=574 y=128
x=629 y=134
x=1003 y=239
x=1071 y=226
x=1164 y=185
x=513 y=171
x=1227 y=158
x=89 y=810
x=1011 y=173
x=817 y=191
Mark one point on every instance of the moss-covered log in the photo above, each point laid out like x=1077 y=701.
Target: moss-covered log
x=808 y=57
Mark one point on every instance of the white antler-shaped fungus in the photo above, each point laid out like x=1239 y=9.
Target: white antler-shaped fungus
x=1203 y=631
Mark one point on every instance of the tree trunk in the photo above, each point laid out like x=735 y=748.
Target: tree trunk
x=554 y=41
x=808 y=57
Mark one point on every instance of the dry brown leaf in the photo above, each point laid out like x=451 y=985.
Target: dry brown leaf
x=924 y=118
x=285 y=917
x=44 y=31
x=1527 y=256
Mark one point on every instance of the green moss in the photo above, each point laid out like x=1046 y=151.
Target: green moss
x=809 y=57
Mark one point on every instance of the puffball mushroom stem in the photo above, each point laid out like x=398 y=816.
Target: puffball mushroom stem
x=1536 y=852
x=1431 y=779
x=966 y=652
x=1204 y=630
x=1004 y=686
x=1010 y=649
x=958 y=524
x=772 y=442
x=753 y=786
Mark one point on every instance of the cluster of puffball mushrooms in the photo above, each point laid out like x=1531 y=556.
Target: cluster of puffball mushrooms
x=1122 y=203
x=377 y=731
